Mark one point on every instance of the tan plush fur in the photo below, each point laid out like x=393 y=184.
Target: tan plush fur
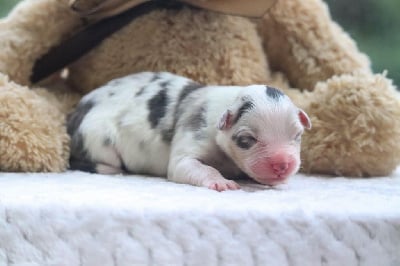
x=205 y=46
x=296 y=46
x=33 y=135
x=352 y=141
x=317 y=47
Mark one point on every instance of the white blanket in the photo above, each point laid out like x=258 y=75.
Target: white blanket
x=77 y=218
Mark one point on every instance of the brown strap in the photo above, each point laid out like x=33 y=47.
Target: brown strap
x=247 y=8
x=99 y=9
x=82 y=42
x=104 y=9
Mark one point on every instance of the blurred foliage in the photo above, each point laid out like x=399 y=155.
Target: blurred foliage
x=375 y=25
x=6 y=5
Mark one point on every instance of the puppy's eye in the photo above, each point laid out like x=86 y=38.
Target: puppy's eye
x=245 y=142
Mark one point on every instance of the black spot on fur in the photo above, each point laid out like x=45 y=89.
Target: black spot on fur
x=107 y=142
x=82 y=165
x=77 y=148
x=156 y=77
x=140 y=92
x=164 y=85
x=111 y=94
x=123 y=167
x=247 y=106
x=79 y=156
x=157 y=106
x=74 y=119
x=198 y=119
x=189 y=88
x=274 y=93
x=167 y=135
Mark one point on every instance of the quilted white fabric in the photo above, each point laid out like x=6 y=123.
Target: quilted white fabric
x=77 y=218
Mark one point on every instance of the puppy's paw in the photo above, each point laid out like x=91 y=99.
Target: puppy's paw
x=222 y=185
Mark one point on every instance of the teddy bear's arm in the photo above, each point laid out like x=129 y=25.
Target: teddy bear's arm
x=302 y=41
x=29 y=31
x=32 y=131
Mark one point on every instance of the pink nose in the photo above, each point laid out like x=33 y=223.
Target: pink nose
x=280 y=168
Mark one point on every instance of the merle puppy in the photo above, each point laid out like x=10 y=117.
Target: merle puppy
x=167 y=125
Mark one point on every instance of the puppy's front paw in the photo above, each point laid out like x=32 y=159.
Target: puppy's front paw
x=222 y=185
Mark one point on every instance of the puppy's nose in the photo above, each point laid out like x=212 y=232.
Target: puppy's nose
x=280 y=168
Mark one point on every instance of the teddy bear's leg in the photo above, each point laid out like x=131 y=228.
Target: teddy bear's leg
x=355 y=114
x=33 y=136
x=32 y=132
x=302 y=41
x=29 y=31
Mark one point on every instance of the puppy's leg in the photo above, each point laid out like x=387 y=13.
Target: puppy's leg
x=108 y=161
x=192 y=171
x=107 y=169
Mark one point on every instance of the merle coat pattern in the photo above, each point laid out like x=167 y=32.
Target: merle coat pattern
x=167 y=125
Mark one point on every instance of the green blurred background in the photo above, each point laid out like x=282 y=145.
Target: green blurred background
x=375 y=25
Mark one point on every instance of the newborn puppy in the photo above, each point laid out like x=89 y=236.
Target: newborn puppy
x=167 y=125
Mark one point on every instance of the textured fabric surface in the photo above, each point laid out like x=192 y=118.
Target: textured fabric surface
x=77 y=218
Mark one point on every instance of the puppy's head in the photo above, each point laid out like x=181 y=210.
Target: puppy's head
x=261 y=131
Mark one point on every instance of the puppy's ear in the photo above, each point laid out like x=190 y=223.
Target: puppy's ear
x=226 y=120
x=304 y=119
x=235 y=112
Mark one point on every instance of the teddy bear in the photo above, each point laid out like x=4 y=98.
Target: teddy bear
x=295 y=46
